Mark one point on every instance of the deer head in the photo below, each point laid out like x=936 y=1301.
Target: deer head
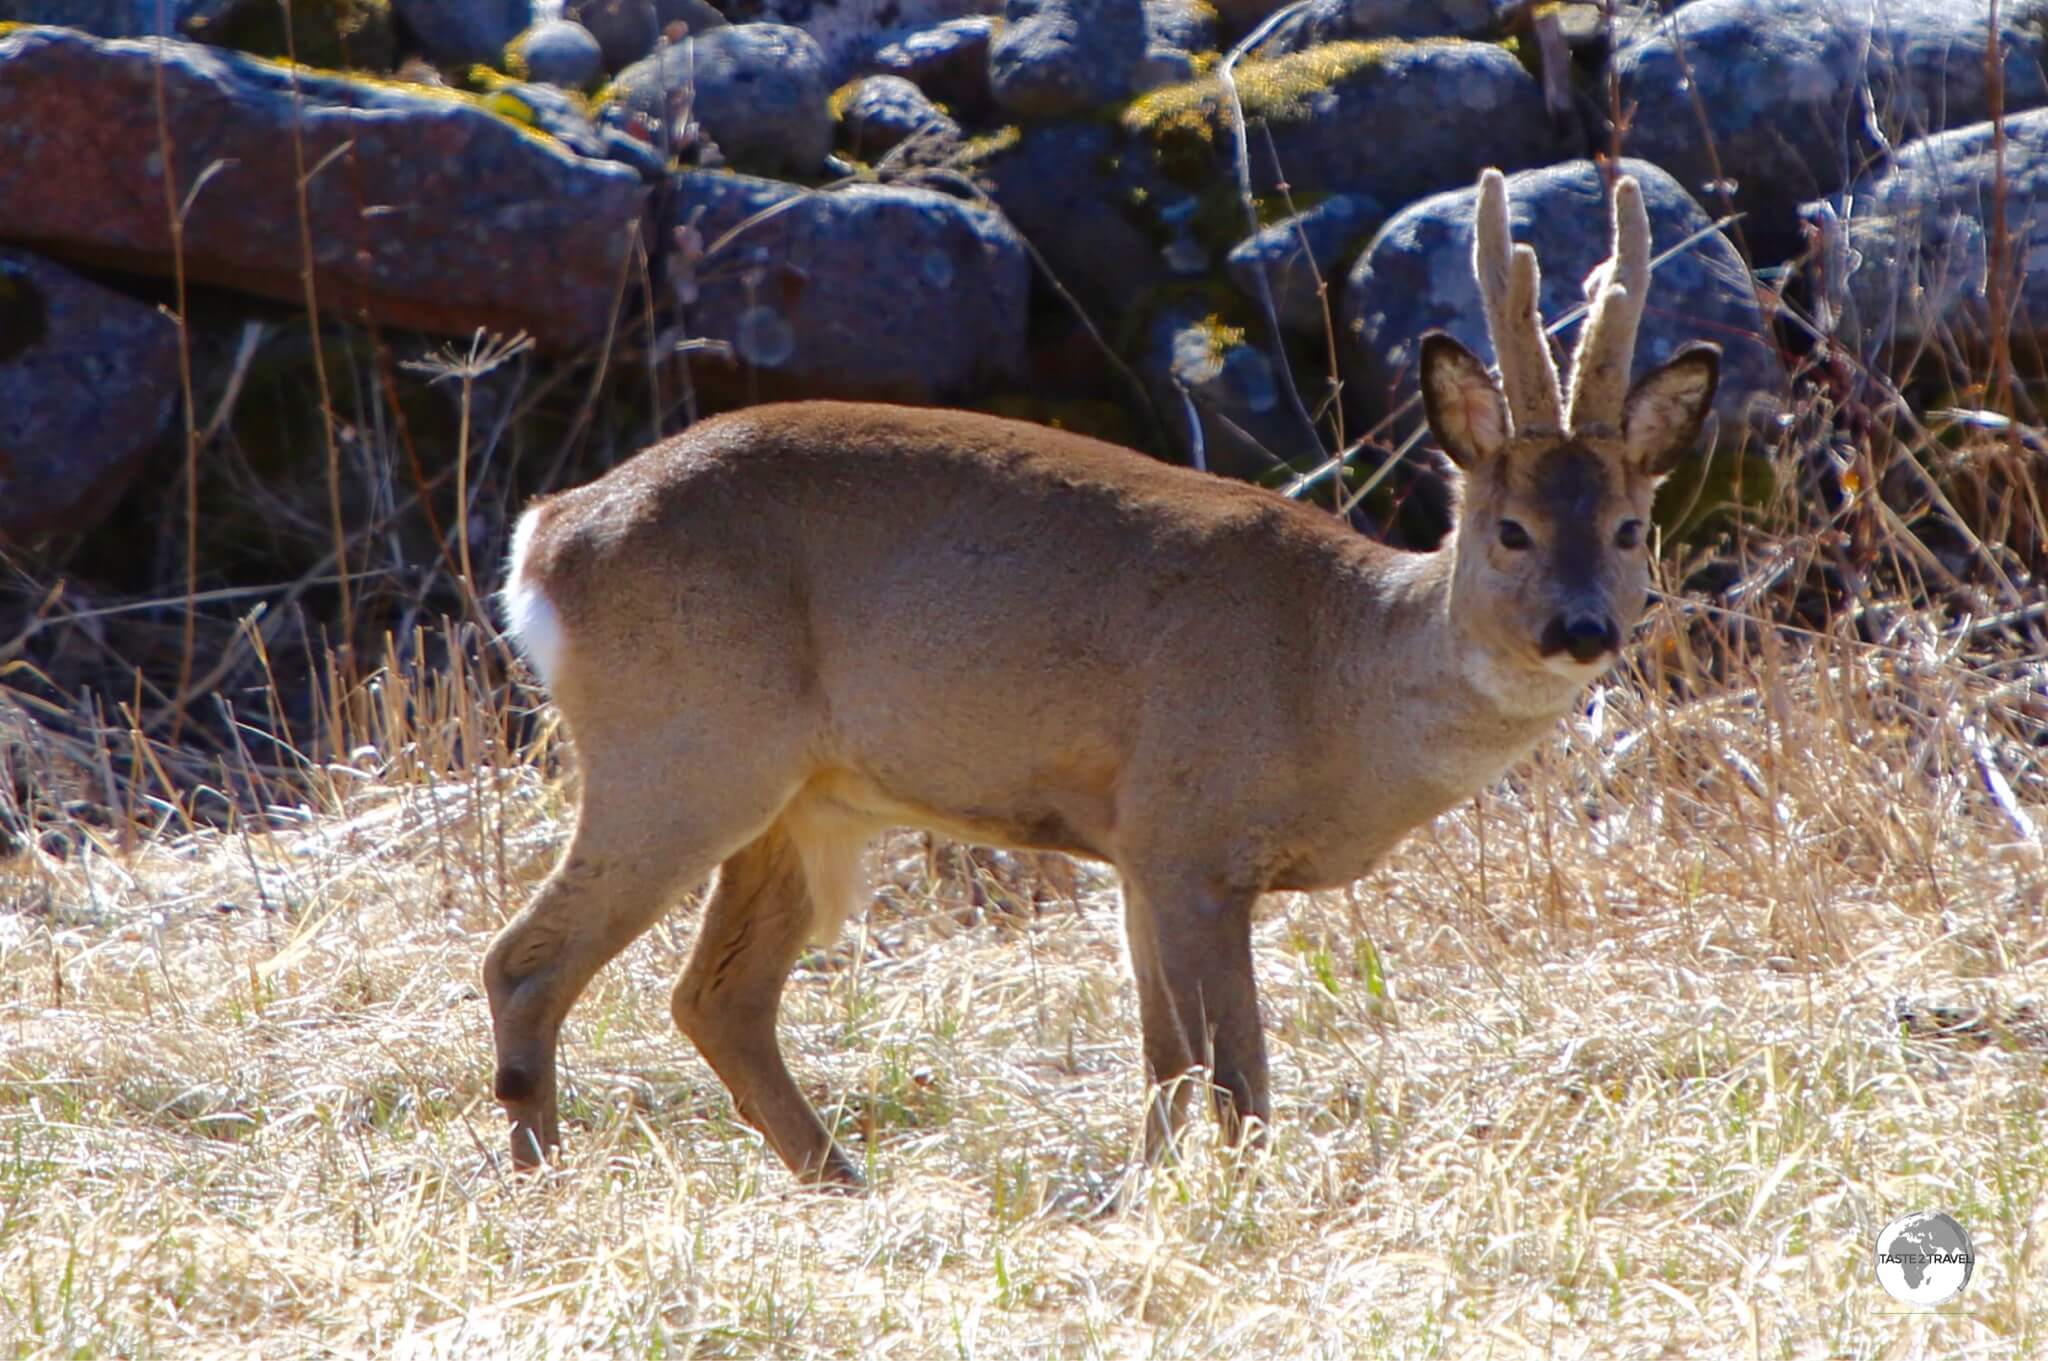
x=1556 y=482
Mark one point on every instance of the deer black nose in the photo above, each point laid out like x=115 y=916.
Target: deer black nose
x=1587 y=637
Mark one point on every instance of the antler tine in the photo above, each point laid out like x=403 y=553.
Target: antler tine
x=1546 y=393
x=1618 y=291
x=1508 y=286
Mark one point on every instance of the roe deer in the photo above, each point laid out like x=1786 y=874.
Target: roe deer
x=793 y=626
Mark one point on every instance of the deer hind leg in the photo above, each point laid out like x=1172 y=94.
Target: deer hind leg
x=791 y=885
x=630 y=858
x=1199 y=1007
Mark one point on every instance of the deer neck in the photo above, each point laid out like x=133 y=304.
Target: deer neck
x=1465 y=710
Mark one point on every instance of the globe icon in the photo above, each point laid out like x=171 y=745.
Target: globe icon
x=1924 y=1258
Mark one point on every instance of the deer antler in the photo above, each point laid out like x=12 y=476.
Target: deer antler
x=1616 y=291
x=1508 y=286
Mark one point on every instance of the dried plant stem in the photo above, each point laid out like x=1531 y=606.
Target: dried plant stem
x=1998 y=264
x=174 y=216
x=1241 y=164
x=301 y=179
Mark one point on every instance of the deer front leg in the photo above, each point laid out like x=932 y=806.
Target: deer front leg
x=1191 y=952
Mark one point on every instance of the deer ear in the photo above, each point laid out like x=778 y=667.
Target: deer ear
x=1463 y=404
x=1666 y=408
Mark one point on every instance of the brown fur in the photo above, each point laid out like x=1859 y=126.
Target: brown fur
x=795 y=626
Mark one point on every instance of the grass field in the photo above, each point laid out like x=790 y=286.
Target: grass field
x=1632 y=1057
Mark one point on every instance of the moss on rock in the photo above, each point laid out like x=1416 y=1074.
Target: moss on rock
x=1185 y=124
x=984 y=145
x=512 y=61
x=1219 y=335
x=1282 y=90
x=511 y=107
x=836 y=102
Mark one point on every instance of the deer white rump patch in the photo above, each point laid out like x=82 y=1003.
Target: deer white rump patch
x=530 y=617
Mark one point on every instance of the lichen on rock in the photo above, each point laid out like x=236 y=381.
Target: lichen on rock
x=1451 y=107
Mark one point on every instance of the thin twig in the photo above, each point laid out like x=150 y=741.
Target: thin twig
x=1241 y=164
x=301 y=179
x=174 y=212
x=1998 y=240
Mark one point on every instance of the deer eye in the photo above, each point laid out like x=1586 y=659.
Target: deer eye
x=1512 y=535
x=1630 y=535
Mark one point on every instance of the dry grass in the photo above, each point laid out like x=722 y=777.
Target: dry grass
x=1632 y=1057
